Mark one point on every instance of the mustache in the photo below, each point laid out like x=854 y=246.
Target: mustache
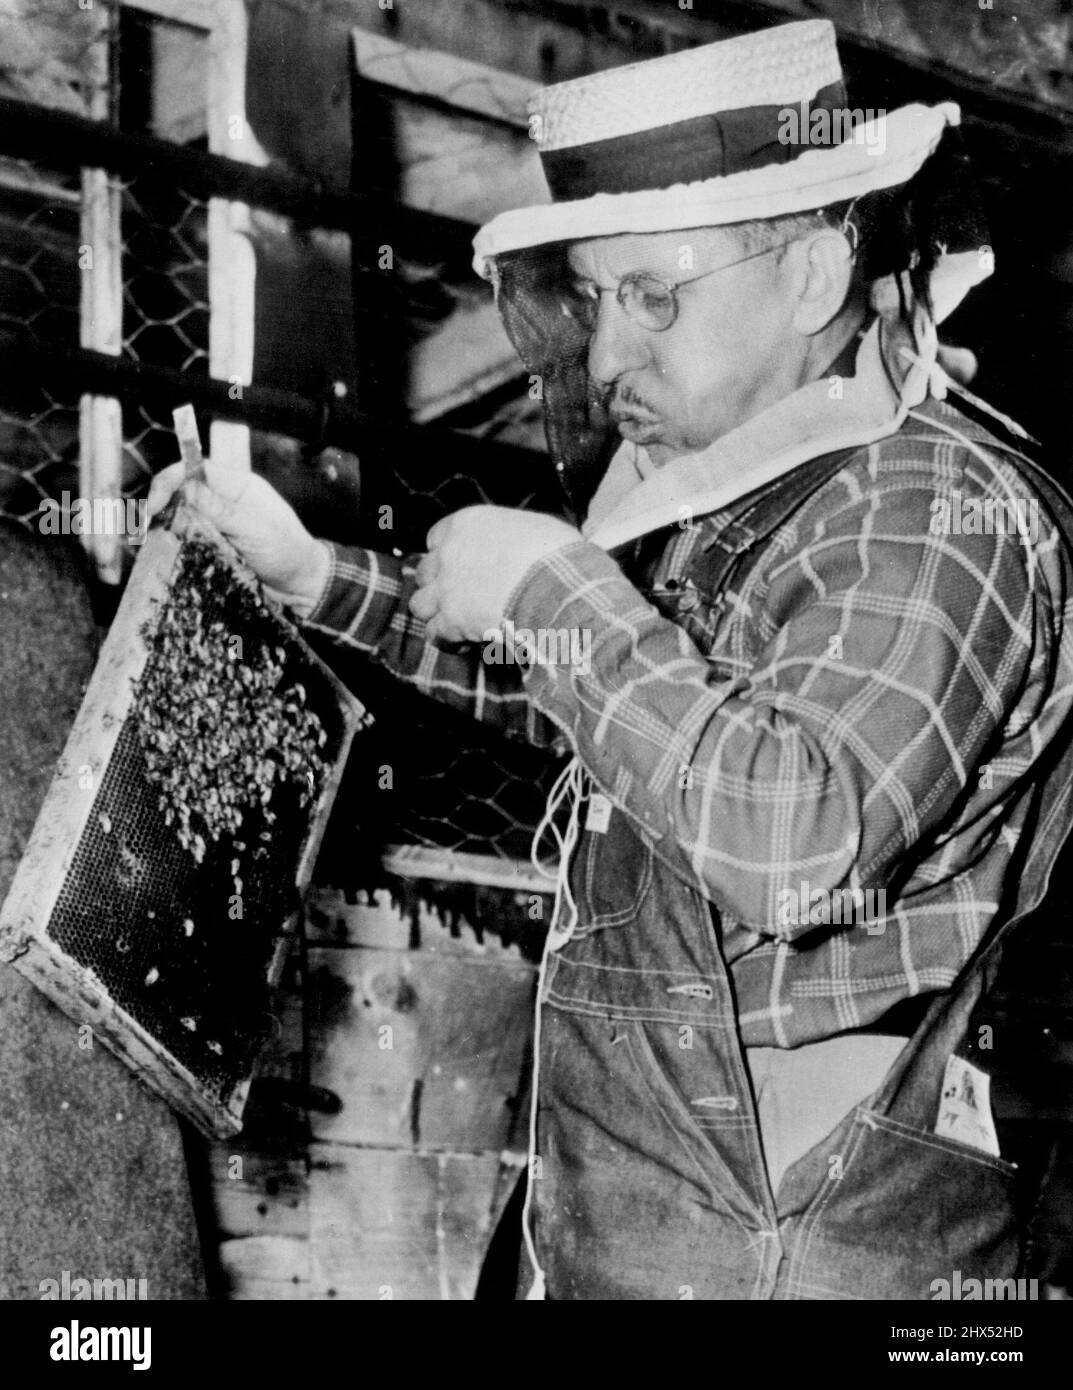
x=617 y=397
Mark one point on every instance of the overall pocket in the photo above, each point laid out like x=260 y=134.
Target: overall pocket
x=612 y=874
x=900 y=1211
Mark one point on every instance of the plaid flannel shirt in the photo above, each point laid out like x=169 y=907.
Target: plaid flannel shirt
x=869 y=707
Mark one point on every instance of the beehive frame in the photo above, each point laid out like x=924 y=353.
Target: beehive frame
x=79 y=809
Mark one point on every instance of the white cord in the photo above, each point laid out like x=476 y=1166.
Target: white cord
x=569 y=787
x=940 y=382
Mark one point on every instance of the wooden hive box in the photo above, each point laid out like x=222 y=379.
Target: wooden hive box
x=164 y=940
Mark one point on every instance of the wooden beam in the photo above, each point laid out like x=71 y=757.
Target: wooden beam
x=18 y=176
x=263 y=407
x=422 y=861
x=442 y=81
x=60 y=138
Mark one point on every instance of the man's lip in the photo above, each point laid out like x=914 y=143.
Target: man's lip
x=633 y=417
x=637 y=429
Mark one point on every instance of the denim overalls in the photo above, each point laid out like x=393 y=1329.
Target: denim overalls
x=649 y=1180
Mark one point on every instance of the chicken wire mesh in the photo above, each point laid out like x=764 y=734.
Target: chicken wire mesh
x=164 y=316
x=433 y=778
x=39 y=223
x=436 y=777
x=453 y=784
x=165 y=274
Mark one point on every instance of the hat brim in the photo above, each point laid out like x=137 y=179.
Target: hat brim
x=885 y=152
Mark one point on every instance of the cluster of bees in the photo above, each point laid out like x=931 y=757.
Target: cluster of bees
x=220 y=727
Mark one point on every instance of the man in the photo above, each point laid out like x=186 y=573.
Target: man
x=821 y=748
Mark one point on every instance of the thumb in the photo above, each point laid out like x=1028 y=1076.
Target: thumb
x=164 y=486
x=210 y=504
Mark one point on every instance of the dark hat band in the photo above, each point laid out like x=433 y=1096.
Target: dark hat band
x=706 y=147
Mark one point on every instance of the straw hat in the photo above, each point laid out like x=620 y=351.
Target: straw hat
x=750 y=127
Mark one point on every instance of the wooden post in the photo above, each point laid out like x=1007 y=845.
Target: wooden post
x=100 y=251
x=232 y=265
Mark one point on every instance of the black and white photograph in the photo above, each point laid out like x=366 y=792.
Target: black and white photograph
x=536 y=632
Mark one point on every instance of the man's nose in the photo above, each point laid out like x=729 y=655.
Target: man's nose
x=617 y=344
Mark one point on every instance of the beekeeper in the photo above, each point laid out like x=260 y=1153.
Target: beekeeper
x=819 y=754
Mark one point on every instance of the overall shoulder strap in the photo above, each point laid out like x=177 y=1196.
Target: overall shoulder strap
x=726 y=538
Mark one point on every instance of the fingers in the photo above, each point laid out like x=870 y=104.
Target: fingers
x=214 y=497
x=424 y=603
x=438 y=533
x=457 y=524
x=164 y=486
x=217 y=498
x=428 y=569
x=439 y=630
x=207 y=502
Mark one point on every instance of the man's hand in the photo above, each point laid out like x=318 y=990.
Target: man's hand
x=263 y=528
x=475 y=558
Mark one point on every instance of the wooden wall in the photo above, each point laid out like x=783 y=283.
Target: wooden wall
x=388 y=1128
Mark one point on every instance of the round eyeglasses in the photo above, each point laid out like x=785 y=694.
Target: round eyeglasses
x=648 y=300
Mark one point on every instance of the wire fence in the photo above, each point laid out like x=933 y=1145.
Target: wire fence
x=165 y=323
x=39 y=221
x=166 y=310
x=457 y=786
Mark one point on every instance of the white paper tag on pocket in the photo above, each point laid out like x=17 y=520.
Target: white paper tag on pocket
x=599 y=816
x=965 y=1107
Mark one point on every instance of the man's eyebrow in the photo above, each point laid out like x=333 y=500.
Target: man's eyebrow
x=583 y=277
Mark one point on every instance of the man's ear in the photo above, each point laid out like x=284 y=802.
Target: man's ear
x=824 y=275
